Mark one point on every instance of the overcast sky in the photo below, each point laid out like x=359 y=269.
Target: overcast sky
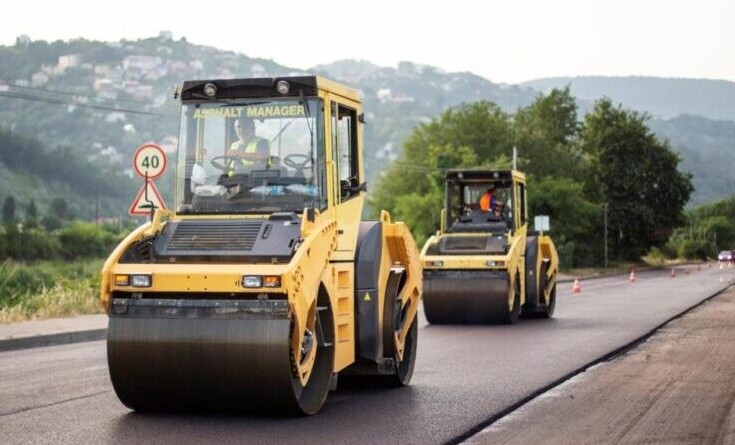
x=509 y=41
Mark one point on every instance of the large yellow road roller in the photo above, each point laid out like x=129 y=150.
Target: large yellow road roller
x=484 y=266
x=262 y=284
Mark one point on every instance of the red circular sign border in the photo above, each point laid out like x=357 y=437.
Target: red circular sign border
x=163 y=155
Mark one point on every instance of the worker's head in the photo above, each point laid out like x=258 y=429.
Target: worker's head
x=498 y=206
x=244 y=127
x=491 y=188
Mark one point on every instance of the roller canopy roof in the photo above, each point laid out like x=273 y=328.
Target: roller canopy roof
x=264 y=87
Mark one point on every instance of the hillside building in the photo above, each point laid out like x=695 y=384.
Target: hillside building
x=69 y=61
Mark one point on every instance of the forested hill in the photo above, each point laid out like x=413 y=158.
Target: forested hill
x=708 y=152
x=661 y=97
x=34 y=172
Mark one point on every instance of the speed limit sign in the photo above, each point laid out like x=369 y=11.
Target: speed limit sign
x=149 y=161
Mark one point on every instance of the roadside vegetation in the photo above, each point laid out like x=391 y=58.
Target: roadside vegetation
x=48 y=289
x=51 y=264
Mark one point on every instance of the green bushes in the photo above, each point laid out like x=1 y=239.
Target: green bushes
x=48 y=289
x=85 y=240
x=75 y=241
x=708 y=229
x=52 y=274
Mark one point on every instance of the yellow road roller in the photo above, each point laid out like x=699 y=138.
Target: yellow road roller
x=484 y=266
x=262 y=284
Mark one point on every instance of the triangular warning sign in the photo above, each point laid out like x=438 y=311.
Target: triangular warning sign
x=147 y=198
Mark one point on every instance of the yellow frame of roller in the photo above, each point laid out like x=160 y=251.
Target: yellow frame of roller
x=324 y=258
x=513 y=261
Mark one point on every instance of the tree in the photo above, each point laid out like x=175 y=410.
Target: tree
x=9 y=211
x=546 y=135
x=32 y=210
x=469 y=135
x=637 y=175
x=51 y=223
x=60 y=209
x=575 y=220
x=31 y=221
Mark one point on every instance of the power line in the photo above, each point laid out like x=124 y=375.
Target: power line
x=74 y=94
x=75 y=104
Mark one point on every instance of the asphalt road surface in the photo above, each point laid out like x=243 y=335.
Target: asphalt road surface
x=464 y=377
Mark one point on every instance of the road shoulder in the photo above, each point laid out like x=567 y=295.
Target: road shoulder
x=38 y=333
x=677 y=387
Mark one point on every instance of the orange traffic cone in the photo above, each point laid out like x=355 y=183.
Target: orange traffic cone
x=673 y=273
x=576 y=288
x=632 y=276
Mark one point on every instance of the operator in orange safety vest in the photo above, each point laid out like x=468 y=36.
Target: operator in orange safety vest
x=487 y=201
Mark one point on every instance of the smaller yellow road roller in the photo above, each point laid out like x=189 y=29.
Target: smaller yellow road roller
x=484 y=266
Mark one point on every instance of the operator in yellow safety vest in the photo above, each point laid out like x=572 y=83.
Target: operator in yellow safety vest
x=250 y=148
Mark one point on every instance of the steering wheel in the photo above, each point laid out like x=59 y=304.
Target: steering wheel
x=299 y=162
x=221 y=162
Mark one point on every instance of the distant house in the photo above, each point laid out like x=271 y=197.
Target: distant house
x=116 y=74
x=384 y=94
x=196 y=65
x=111 y=153
x=142 y=63
x=50 y=70
x=22 y=40
x=102 y=70
x=22 y=83
x=257 y=70
x=103 y=85
x=165 y=35
x=69 y=61
x=153 y=75
x=128 y=84
x=141 y=92
x=39 y=79
x=177 y=67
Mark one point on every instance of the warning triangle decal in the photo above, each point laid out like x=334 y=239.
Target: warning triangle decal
x=147 y=197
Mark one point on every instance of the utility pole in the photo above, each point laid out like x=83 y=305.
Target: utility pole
x=604 y=207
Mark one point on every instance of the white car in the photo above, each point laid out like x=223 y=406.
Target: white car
x=726 y=255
